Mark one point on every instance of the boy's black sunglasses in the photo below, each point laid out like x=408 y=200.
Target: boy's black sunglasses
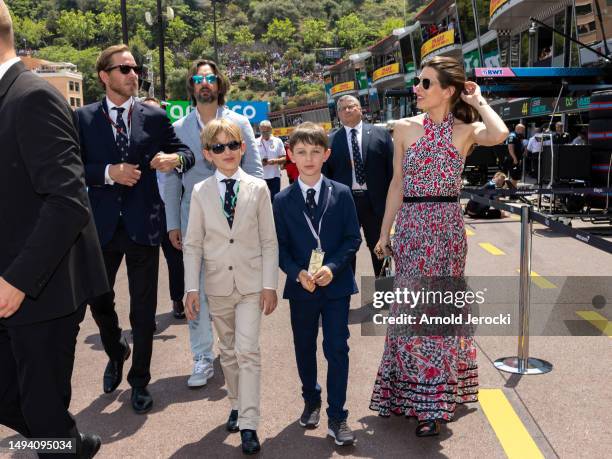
x=426 y=82
x=125 y=69
x=219 y=148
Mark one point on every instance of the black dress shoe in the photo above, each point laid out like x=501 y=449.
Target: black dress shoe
x=178 y=309
x=89 y=446
x=232 y=422
x=142 y=402
x=250 y=442
x=114 y=370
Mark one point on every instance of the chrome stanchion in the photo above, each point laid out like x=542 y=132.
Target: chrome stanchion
x=522 y=363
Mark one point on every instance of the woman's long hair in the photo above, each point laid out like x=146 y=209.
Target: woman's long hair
x=451 y=73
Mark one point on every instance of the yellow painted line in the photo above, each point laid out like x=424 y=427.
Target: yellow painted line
x=598 y=321
x=491 y=248
x=469 y=232
x=540 y=281
x=510 y=431
x=515 y=217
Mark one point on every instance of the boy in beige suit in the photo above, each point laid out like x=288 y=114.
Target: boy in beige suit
x=231 y=230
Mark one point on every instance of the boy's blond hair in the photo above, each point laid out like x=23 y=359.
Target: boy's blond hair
x=215 y=127
x=308 y=133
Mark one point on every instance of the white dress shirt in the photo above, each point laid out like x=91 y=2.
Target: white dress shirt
x=221 y=186
x=127 y=105
x=7 y=65
x=305 y=188
x=272 y=148
x=535 y=145
x=349 y=136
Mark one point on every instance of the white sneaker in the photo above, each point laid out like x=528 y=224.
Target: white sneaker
x=202 y=372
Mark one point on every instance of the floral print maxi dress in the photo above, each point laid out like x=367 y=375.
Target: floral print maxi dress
x=426 y=376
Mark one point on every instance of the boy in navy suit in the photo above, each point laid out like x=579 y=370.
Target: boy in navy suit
x=318 y=236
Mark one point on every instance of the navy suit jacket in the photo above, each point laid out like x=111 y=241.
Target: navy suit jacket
x=340 y=239
x=140 y=205
x=377 y=147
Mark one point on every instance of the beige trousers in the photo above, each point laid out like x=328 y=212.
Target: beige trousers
x=236 y=319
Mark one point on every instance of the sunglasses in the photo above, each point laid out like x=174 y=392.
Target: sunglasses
x=126 y=69
x=219 y=148
x=199 y=79
x=425 y=82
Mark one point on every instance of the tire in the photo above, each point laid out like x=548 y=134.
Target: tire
x=601 y=106
x=600 y=134
x=600 y=167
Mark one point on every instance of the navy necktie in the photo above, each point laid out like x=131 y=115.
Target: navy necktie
x=122 y=135
x=229 y=203
x=311 y=204
x=357 y=160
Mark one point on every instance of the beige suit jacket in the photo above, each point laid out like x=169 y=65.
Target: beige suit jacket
x=245 y=256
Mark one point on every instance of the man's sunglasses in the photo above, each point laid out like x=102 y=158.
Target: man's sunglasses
x=126 y=69
x=219 y=148
x=426 y=82
x=211 y=78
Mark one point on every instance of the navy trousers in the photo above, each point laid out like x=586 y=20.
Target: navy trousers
x=305 y=325
x=274 y=186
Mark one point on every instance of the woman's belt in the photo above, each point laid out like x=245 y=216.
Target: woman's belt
x=413 y=199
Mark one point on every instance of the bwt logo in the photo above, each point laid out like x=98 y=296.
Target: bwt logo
x=492 y=72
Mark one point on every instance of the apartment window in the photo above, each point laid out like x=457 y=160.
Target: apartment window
x=77 y=87
x=78 y=102
x=587 y=8
x=71 y=85
x=72 y=102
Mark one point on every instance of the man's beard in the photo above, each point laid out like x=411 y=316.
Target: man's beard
x=125 y=91
x=206 y=96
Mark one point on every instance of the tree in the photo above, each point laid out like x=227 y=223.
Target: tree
x=177 y=32
x=351 y=31
x=108 y=28
x=315 y=33
x=30 y=33
x=389 y=25
x=78 y=27
x=175 y=85
x=243 y=37
x=281 y=32
x=264 y=12
x=85 y=60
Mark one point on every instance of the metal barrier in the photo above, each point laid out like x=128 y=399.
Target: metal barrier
x=522 y=363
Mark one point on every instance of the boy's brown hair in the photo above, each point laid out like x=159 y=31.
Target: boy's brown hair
x=215 y=127
x=309 y=133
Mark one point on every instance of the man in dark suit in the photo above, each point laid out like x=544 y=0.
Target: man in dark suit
x=362 y=159
x=50 y=257
x=123 y=143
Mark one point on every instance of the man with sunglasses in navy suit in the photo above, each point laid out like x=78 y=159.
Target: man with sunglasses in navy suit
x=207 y=88
x=124 y=143
x=362 y=159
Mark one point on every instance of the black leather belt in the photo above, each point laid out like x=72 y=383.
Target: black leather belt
x=413 y=199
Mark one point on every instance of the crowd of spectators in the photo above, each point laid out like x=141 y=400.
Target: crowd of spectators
x=239 y=67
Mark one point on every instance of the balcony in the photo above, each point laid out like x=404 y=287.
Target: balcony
x=513 y=15
x=442 y=44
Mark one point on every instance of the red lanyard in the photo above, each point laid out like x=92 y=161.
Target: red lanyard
x=115 y=125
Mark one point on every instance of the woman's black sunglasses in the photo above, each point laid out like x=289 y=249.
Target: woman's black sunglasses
x=219 y=148
x=426 y=82
x=125 y=69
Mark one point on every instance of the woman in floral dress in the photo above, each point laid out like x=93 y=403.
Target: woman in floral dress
x=426 y=376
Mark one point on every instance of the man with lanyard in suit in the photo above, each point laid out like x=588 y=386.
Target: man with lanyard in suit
x=207 y=88
x=122 y=142
x=50 y=257
x=362 y=159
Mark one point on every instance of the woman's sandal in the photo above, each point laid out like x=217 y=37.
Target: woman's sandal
x=428 y=428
